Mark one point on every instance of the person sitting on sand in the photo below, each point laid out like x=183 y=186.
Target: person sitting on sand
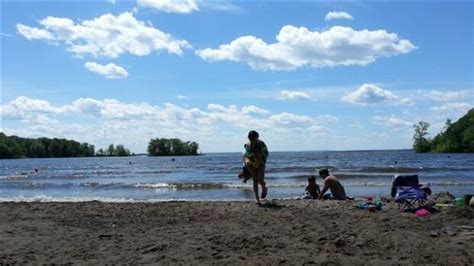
x=312 y=190
x=333 y=184
x=255 y=158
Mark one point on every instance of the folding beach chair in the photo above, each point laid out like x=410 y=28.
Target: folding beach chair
x=407 y=192
x=410 y=198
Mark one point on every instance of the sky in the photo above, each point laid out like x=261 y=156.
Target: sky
x=305 y=75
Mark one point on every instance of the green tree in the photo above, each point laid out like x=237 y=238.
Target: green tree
x=455 y=137
x=100 y=152
x=171 y=147
x=422 y=144
x=120 y=150
x=111 y=150
x=16 y=147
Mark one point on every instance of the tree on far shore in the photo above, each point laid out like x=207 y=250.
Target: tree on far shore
x=17 y=147
x=422 y=144
x=455 y=137
x=112 y=150
x=172 y=147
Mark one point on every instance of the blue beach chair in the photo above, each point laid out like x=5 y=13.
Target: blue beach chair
x=408 y=193
x=410 y=198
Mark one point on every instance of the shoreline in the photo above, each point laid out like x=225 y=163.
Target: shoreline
x=238 y=232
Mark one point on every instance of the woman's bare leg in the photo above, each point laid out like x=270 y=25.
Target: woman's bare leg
x=254 y=173
x=261 y=180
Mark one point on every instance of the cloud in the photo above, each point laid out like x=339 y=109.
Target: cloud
x=452 y=110
x=221 y=6
x=23 y=108
x=447 y=96
x=110 y=120
x=338 y=15
x=300 y=47
x=288 y=119
x=106 y=36
x=34 y=33
x=326 y=119
x=171 y=6
x=295 y=96
x=6 y=35
x=252 y=109
x=372 y=94
x=109 y=71
x=357 y=125
x=112 y=2
x=392 y=121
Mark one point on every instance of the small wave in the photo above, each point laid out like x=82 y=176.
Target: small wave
x=430 y=183
x=450 y=183
x=91 y=184
x=147 y=172
x=302 y=177
x=391 y=169
x=290 y=169
x=179 y=186
x=19 y=176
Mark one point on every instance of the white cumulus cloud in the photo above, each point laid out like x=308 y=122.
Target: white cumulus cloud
x=295 y=96
x=23 y=107
x=338 y=15
x=298 y=47
x=107 y=36
x=448 y=96
x=109 y=71
x=34 y=33
x=252 y=109
x=392 y=121
x=452 y=110
x=371 y=94
x=171 y=6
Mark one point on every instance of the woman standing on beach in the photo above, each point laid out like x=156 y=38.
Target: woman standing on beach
x=255 y=157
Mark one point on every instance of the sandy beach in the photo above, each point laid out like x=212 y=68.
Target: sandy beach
x=280 y=232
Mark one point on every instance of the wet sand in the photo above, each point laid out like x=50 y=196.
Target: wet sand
x=280 y=232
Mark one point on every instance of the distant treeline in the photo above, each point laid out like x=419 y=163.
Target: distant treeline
x=173 y=147
x=455 y=137
x=17 y=147
x=119 y=150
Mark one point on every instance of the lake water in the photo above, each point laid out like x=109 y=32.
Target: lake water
x=214 y=176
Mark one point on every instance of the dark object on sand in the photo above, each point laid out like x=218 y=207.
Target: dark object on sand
x=403 y=181
x=244 y=174
x=467 y=199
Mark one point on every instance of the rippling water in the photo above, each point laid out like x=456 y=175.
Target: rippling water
x=214 y=176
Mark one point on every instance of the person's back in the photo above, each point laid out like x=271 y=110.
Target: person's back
x=336 y=188
x=332 y=184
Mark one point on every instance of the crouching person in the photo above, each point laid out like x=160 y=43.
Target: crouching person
x=332 y=184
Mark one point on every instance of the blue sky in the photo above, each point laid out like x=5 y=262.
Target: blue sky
x=307 y=76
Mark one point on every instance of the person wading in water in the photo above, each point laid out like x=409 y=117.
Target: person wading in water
x=255 y=157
